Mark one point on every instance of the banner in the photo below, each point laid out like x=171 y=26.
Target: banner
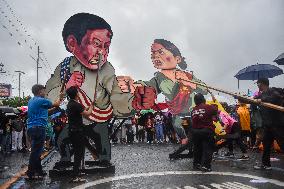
x=5 y=90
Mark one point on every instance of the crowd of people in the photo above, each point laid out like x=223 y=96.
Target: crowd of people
x=210 y=126
x=100 y=101
x=13 y=132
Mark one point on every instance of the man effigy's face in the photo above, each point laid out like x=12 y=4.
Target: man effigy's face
x=163 y=58
x=94 y=42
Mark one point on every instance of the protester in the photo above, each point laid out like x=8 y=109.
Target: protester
x=48 y=135
x=141 y=133
x=6 y=137
x=134 y=121
x=169 y=129
x=233 y=134
x=189 y=146
x=149 y=125
x=203 y=133
x=159 y=126
x=141 y=128
x=37 y=121
x=75 y=111
x=272 y=121
x=244 y=117
x=26 y=139
x=17 y=134
x=130 y=131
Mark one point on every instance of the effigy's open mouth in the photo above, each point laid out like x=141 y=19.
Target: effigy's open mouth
x=158 y=63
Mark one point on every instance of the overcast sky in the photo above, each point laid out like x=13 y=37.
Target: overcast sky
x=217 y=37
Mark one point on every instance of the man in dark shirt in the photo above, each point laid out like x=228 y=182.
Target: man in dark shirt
x=272 y=121
x=203 y=133
x=75 y=111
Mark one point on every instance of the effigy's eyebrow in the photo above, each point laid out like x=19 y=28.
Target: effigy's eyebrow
x=157 y=49
x=96 y=39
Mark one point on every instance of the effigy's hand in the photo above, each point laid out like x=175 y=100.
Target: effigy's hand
x=185 y=78
x=76 y=79
x=61 y=96
x=126 y=84
x=144 y=98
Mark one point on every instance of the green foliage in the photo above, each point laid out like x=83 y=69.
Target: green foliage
x=16 y=101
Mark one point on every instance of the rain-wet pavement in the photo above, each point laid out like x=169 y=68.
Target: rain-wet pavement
x=148 y=166
x=11 y=163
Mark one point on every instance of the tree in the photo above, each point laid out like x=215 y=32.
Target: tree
x=16 y=101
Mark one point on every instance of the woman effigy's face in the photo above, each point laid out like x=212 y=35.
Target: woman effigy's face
x=162 y=58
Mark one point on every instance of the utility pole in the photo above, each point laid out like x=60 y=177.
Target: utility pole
x=37 y=63
x=20 y=72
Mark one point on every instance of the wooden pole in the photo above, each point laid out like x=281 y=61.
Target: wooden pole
x=250 y=100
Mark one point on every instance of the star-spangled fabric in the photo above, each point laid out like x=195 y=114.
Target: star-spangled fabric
x=65 y=68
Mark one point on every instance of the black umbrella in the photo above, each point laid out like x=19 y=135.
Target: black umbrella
x=257 y=71
x=280 y=59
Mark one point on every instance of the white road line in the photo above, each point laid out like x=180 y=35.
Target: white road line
x=123 y=177
x=241 y=184
x=234 y=185
x=204 y=187
x=189 y=187
x=220 y=186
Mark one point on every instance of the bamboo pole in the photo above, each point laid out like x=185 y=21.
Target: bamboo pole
x=251 y=100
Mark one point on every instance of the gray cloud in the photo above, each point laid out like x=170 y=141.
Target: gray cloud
x=218 y=38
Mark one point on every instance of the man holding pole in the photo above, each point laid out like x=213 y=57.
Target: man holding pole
x=37 y=121
x=271 y=121
x=271 y=101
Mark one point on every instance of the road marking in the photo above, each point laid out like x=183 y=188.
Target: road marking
x=232 y=185
x=242 y=185
x=124 y=177
x=189 y=187
x=236 y=186
x=204 y=187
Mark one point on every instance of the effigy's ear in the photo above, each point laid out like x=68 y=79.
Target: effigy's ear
x=71 y=43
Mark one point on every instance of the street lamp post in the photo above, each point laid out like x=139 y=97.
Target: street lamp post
x=20 y=73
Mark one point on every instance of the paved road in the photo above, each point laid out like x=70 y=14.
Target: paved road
x=148 y=166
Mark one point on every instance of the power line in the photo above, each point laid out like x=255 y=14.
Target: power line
x=12 y=25
x=45 y=70
x=20 y=22
x=45 y=63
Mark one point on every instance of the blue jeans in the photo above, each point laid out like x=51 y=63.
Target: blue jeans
x=159 y=132
x=37 y=137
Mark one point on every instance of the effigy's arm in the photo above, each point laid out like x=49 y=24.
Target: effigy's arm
x=120 y=101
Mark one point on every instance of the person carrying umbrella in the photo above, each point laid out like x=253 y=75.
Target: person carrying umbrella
x=272 y=120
